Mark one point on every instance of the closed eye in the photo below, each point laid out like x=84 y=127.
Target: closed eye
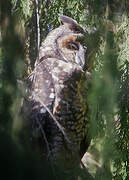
x=72 y=46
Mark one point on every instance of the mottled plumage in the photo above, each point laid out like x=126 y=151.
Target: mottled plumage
x=56 y=107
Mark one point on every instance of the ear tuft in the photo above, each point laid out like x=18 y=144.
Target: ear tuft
x=71 y=23
x=66 y=19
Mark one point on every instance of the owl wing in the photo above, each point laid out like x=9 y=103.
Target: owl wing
x=51 y=85
x=49 y=76
x=41 y=97
x=43 y=88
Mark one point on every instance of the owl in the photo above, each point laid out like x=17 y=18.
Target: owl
x=56 y=107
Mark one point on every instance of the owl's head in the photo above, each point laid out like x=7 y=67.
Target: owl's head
x=64 y=43
x=69 y=41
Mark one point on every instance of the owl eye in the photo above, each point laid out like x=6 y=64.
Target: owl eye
x=72 y=46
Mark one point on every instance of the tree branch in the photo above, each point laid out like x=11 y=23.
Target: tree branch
x=37 y=22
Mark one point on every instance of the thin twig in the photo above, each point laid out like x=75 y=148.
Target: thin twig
x=38 y=27
x=44 y=136
x=49 y=151
x=57 y=123
x=14 y=6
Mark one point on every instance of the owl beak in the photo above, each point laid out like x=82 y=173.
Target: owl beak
x=80 y=57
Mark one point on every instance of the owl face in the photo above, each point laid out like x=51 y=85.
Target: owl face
x=64 y=44
x=71 y=49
